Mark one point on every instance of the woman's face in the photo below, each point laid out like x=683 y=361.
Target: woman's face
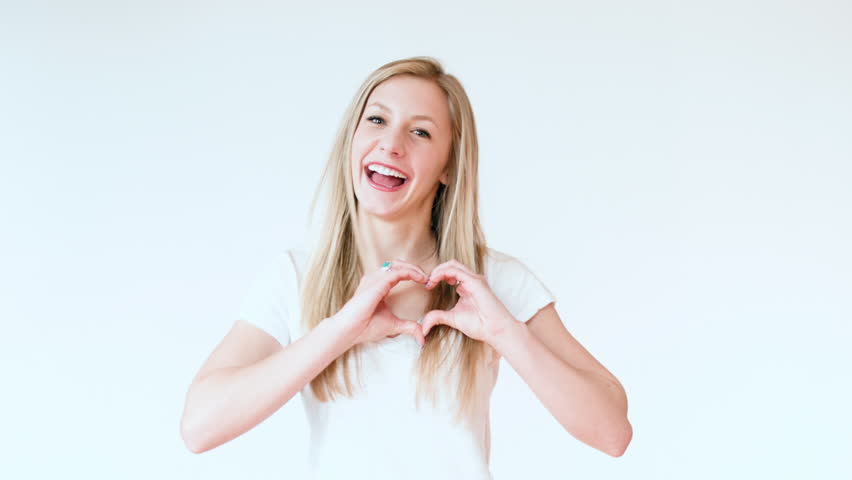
x=405 y=127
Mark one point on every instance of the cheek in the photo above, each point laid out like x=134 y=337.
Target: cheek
x=361 y=143
x=438 y=162
x=356 y=149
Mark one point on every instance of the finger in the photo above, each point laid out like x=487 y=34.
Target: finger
x=381 y=283
x=419 y=274
x=434 y=275
x=414 y=266
x=457 y=264
x=453 y=263
x=397 y=273
x=411 y=328
x=410 y=273
x=436 y=317
x=448 y=265
x=453 y=276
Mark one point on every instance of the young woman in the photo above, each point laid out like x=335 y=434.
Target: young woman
x=400 y=300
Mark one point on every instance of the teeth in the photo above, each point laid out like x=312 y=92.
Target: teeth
x=385 y=171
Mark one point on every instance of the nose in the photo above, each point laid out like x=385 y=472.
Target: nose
x=392 y=143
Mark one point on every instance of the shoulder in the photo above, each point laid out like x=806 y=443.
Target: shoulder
x=515 y=284
x=298 y=256
x=503 y=271
x=499 y=264
x=289 y=257
x=282 y=268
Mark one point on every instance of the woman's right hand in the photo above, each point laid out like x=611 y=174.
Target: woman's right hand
x=366 y=313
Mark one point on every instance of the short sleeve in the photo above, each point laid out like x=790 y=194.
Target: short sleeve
x=265 y=301
x=515 y=284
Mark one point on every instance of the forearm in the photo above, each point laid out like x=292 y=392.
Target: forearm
x=589 y=406
x=230 y=401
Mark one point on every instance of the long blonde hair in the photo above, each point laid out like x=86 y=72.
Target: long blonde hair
x=334 y=270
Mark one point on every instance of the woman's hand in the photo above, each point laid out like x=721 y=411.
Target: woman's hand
x=479 y=314
x=366 y=313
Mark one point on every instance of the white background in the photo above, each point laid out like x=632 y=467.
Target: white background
x=677 y=173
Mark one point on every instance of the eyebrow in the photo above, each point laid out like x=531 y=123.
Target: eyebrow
x=416 y=117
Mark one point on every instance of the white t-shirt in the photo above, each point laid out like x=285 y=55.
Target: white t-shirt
x=379 y=434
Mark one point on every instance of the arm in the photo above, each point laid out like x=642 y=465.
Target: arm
x=250 y=376
x=586 y=399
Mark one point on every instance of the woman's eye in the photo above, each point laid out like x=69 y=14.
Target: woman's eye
x=423 y=133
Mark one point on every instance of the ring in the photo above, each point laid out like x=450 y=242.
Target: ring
x=386 y=266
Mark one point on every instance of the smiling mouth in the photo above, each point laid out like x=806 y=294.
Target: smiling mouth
x=384 y=182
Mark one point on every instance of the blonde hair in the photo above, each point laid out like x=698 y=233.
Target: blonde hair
x=334 y=270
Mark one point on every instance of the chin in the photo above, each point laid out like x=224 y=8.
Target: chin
x=378 y=209
x=382 y=211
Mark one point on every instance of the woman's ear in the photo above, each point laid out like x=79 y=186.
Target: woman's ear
x=443 y=177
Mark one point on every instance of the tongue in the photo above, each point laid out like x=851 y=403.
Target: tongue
x=386 y=180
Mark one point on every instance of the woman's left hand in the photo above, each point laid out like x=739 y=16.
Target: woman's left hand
x=479 y=314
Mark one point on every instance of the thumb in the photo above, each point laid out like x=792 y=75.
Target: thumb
x=411 y=328
x=435 y=317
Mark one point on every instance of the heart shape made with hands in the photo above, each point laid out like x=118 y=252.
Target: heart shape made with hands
x=479 y=314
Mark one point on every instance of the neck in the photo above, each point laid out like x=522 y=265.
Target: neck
x=409 y=240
